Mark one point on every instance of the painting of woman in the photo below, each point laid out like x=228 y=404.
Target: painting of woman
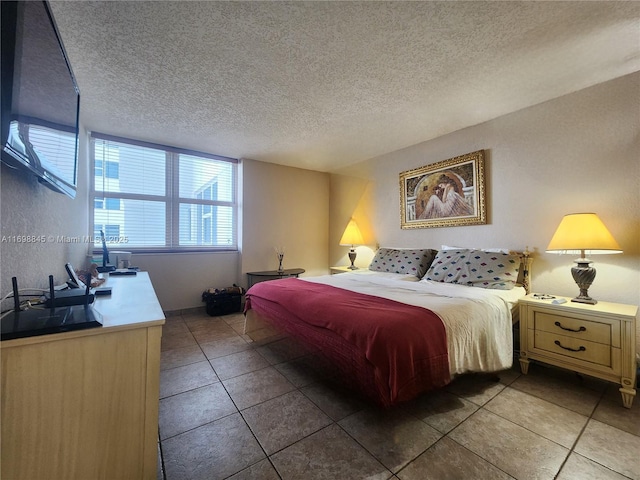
x=446 y=200
x=444 y=194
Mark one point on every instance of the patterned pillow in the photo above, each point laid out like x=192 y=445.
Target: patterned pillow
x=401 y=260
x=475 y=268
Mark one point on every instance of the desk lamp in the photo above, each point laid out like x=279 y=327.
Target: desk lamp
x=579 y=233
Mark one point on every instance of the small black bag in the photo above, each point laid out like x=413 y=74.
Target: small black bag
x=223 y=301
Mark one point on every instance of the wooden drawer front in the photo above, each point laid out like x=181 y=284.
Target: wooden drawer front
x=578 y=328
x=580 y=349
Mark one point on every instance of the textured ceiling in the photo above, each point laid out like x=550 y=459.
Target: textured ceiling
x=321 y=85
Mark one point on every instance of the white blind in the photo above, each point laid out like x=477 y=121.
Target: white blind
x=150 y=197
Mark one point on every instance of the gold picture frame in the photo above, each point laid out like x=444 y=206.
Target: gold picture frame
x=449 y=193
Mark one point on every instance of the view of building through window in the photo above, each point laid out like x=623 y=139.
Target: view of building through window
x=154 y=198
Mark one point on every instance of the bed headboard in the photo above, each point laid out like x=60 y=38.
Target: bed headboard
x=524 y=272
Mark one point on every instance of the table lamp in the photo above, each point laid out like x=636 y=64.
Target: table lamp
x=579 y=233
x=352 y=237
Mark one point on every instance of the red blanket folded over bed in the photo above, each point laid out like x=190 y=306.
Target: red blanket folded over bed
x=403 y=347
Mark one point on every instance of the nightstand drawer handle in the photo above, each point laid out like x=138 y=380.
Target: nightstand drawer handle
x=581 y=349
x=581 y=329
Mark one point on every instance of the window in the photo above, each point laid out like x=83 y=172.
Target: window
x=163 y=198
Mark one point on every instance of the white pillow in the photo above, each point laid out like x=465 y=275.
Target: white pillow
x=488 y=250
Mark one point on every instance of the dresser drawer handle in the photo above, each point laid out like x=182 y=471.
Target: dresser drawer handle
x=581 y=329
x=581 y=349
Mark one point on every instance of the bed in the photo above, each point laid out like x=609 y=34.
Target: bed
x=409 y=324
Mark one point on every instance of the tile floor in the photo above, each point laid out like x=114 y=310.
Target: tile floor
x=258 y=407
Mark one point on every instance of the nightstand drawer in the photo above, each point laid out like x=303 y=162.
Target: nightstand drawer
x=580 y=349
x=605 y=333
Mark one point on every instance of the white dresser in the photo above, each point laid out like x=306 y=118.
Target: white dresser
x=84 y=404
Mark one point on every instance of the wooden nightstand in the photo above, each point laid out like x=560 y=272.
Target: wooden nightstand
x=341 y=269
x=597 y=340
x=256 y=277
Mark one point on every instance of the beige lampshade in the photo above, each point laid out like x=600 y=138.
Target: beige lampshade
x=580 y=232
x=352 y=235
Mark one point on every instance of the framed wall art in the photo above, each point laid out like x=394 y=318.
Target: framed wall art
x=449 y=193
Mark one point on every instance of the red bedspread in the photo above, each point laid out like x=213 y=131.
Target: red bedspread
x=393 y=351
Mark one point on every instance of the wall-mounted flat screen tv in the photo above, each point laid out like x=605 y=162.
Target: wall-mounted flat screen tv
x=40 y=97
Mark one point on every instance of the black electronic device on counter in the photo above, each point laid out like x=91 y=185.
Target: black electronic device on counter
x=42 y=321
x=80 y=294
x=128 y=271
x=105 y=268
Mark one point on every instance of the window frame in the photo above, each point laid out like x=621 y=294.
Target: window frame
x=171 y=199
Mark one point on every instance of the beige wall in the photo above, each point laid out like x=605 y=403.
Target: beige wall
x=578 y=153
x=28 y=208
x=288 y=207
x=180 y=278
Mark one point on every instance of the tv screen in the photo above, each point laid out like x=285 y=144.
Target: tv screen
x=40 y=97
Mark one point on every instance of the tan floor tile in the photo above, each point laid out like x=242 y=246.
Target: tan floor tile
x=333 y=400
x=238 y=364
x=192 y=409
x=611 y=411
x=496 y=429
x=578 y=467
x=256 y=387
x=174 y=325
x=544 y=418
x=279 y=422
x=563 y=388
x=211 y=452
x=213 y=333
x=513 y=449
x=205 y=322
x=442 y=410
x=392 y=436
x=447 y=460
x=224 y=346
x=185 y=378
x=611 y=447
x=263 y=470
x=178 y=357
x=329 y=454
x=177 y=340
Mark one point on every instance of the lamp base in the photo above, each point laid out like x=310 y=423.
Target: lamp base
x=352 y=257
x=583 y=274
x=587 y=300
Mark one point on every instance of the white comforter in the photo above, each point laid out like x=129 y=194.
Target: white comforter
x=477 y=320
